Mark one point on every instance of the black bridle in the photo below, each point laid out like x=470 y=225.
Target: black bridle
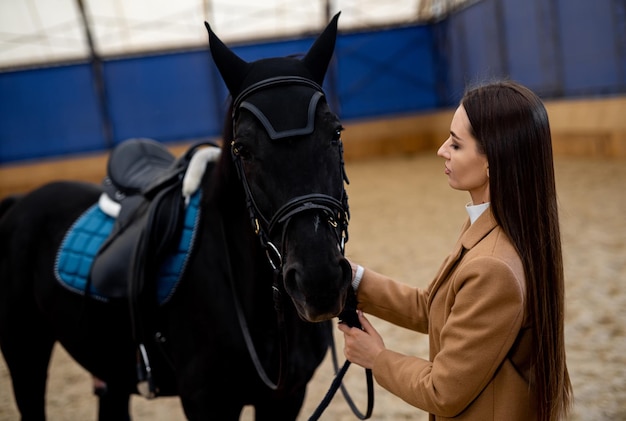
x=336 y=211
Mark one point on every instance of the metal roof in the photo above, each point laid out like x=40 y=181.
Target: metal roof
x=44 y=31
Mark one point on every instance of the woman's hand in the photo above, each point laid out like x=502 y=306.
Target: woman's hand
x=362 y=346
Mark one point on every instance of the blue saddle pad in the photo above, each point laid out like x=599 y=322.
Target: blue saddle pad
x=83 y=240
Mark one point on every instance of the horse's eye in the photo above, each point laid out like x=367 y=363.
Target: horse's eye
x=336 y=136
x=238 y=149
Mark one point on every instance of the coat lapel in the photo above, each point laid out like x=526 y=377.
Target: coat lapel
x=470 y=236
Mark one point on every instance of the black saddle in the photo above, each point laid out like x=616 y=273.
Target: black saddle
x=143 y=187
x=143 y=190
x=137 y=164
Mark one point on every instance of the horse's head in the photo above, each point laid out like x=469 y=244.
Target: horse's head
x=287 y=148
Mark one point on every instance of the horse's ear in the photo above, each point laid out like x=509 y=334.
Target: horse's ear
x=232 y=68
x=318 y=57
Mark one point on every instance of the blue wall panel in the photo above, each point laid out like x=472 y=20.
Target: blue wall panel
x=531 y=49
x=619 y=25
x=294 y=47
x=386 y=72
x=559 y=48
x=51 y=111
x=164 y=97
x=589 y=46
x=473 y=47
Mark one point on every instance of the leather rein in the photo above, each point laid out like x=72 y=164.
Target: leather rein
x=338 y=215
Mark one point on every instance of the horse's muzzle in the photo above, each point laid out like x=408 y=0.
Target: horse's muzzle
x=318 y=295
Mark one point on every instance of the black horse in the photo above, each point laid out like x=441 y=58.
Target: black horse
x=248 y=323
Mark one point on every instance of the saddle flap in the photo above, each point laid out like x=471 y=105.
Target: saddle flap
x=135 y=164
x=128 y=259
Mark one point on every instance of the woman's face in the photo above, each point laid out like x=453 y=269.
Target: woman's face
x=466 y=168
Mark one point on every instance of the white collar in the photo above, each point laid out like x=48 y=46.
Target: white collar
x=474 y=211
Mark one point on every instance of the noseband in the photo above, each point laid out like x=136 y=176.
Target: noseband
x=335 y=210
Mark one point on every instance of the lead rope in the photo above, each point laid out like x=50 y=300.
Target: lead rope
x=348 y=316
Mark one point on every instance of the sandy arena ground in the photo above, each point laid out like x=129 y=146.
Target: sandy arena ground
x=405 y=219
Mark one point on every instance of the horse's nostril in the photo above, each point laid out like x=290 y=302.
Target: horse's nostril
x=291 y=279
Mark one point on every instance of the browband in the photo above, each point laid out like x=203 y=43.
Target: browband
x=270 y=83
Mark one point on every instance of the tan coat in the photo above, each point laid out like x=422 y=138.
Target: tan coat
x=474 y=315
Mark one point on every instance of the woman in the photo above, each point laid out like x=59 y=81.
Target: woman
x=494 y=312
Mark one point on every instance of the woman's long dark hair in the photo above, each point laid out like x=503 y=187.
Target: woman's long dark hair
x=510 y=124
